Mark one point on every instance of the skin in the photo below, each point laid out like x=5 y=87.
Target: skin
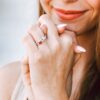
x=49 y=70
x=9 y=72
x=85 y=35
x=88 y=19
x=41 y=72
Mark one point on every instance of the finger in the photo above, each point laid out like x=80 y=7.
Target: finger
x=61 y=28
x=44 y=44
x=44 y=29
x=40 y=36
x=52 y=33
x=67 y=47
x=66 y=40
x=26 y=78
x=37 y=34
x=52 y=30
x=29 y=93
x=30 y=44
x=34 y=32
x=25 y=71
x=64 y=27
x=77 y=48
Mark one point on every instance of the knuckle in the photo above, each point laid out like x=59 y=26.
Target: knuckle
x=38 y=57
x=44 y=19
x=47 y=54
x=44 y=16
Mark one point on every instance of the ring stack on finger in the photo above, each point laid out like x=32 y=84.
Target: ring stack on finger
x=43 y=38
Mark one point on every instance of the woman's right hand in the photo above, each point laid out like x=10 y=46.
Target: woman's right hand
x=48 y=64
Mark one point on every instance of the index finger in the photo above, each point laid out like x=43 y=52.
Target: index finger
x=52 y=29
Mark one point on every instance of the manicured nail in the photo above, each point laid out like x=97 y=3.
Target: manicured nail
x=80 y=49
x=61 y=28
x=62 y=25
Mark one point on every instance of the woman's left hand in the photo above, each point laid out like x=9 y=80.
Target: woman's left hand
x=48 y=64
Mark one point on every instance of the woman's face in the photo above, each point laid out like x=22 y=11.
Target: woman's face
x=80 y=15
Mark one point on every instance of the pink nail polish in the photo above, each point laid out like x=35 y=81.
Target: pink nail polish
x=80 y=49
x=62 y=25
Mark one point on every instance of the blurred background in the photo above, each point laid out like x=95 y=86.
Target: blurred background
x=16 y=16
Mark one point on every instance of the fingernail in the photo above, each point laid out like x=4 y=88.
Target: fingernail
x=62 y=25
x=61 y=28
x=80 y=49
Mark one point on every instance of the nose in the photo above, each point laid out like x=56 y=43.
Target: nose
x=69 y=1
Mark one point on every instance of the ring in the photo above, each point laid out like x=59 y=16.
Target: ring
x=43 y=38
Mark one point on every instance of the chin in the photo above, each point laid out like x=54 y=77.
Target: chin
x=80 y=26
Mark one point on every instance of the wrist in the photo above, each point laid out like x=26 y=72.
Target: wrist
x=50 y=95
x=44 y=97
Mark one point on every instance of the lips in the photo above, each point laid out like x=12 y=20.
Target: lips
x=69 y=14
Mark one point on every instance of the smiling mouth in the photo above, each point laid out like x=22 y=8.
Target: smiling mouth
x=69 y=14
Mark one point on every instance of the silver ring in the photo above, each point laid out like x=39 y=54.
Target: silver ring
x=43 y=38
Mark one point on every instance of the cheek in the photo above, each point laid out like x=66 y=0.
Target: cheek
x=47 y=1
x=46 y=5
x=94 y=3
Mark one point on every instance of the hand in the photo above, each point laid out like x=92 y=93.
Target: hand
x=48 y=64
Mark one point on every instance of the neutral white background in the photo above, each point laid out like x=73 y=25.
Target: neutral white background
x=16 y=16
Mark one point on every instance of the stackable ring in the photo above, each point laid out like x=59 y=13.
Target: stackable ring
x=43 y=38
